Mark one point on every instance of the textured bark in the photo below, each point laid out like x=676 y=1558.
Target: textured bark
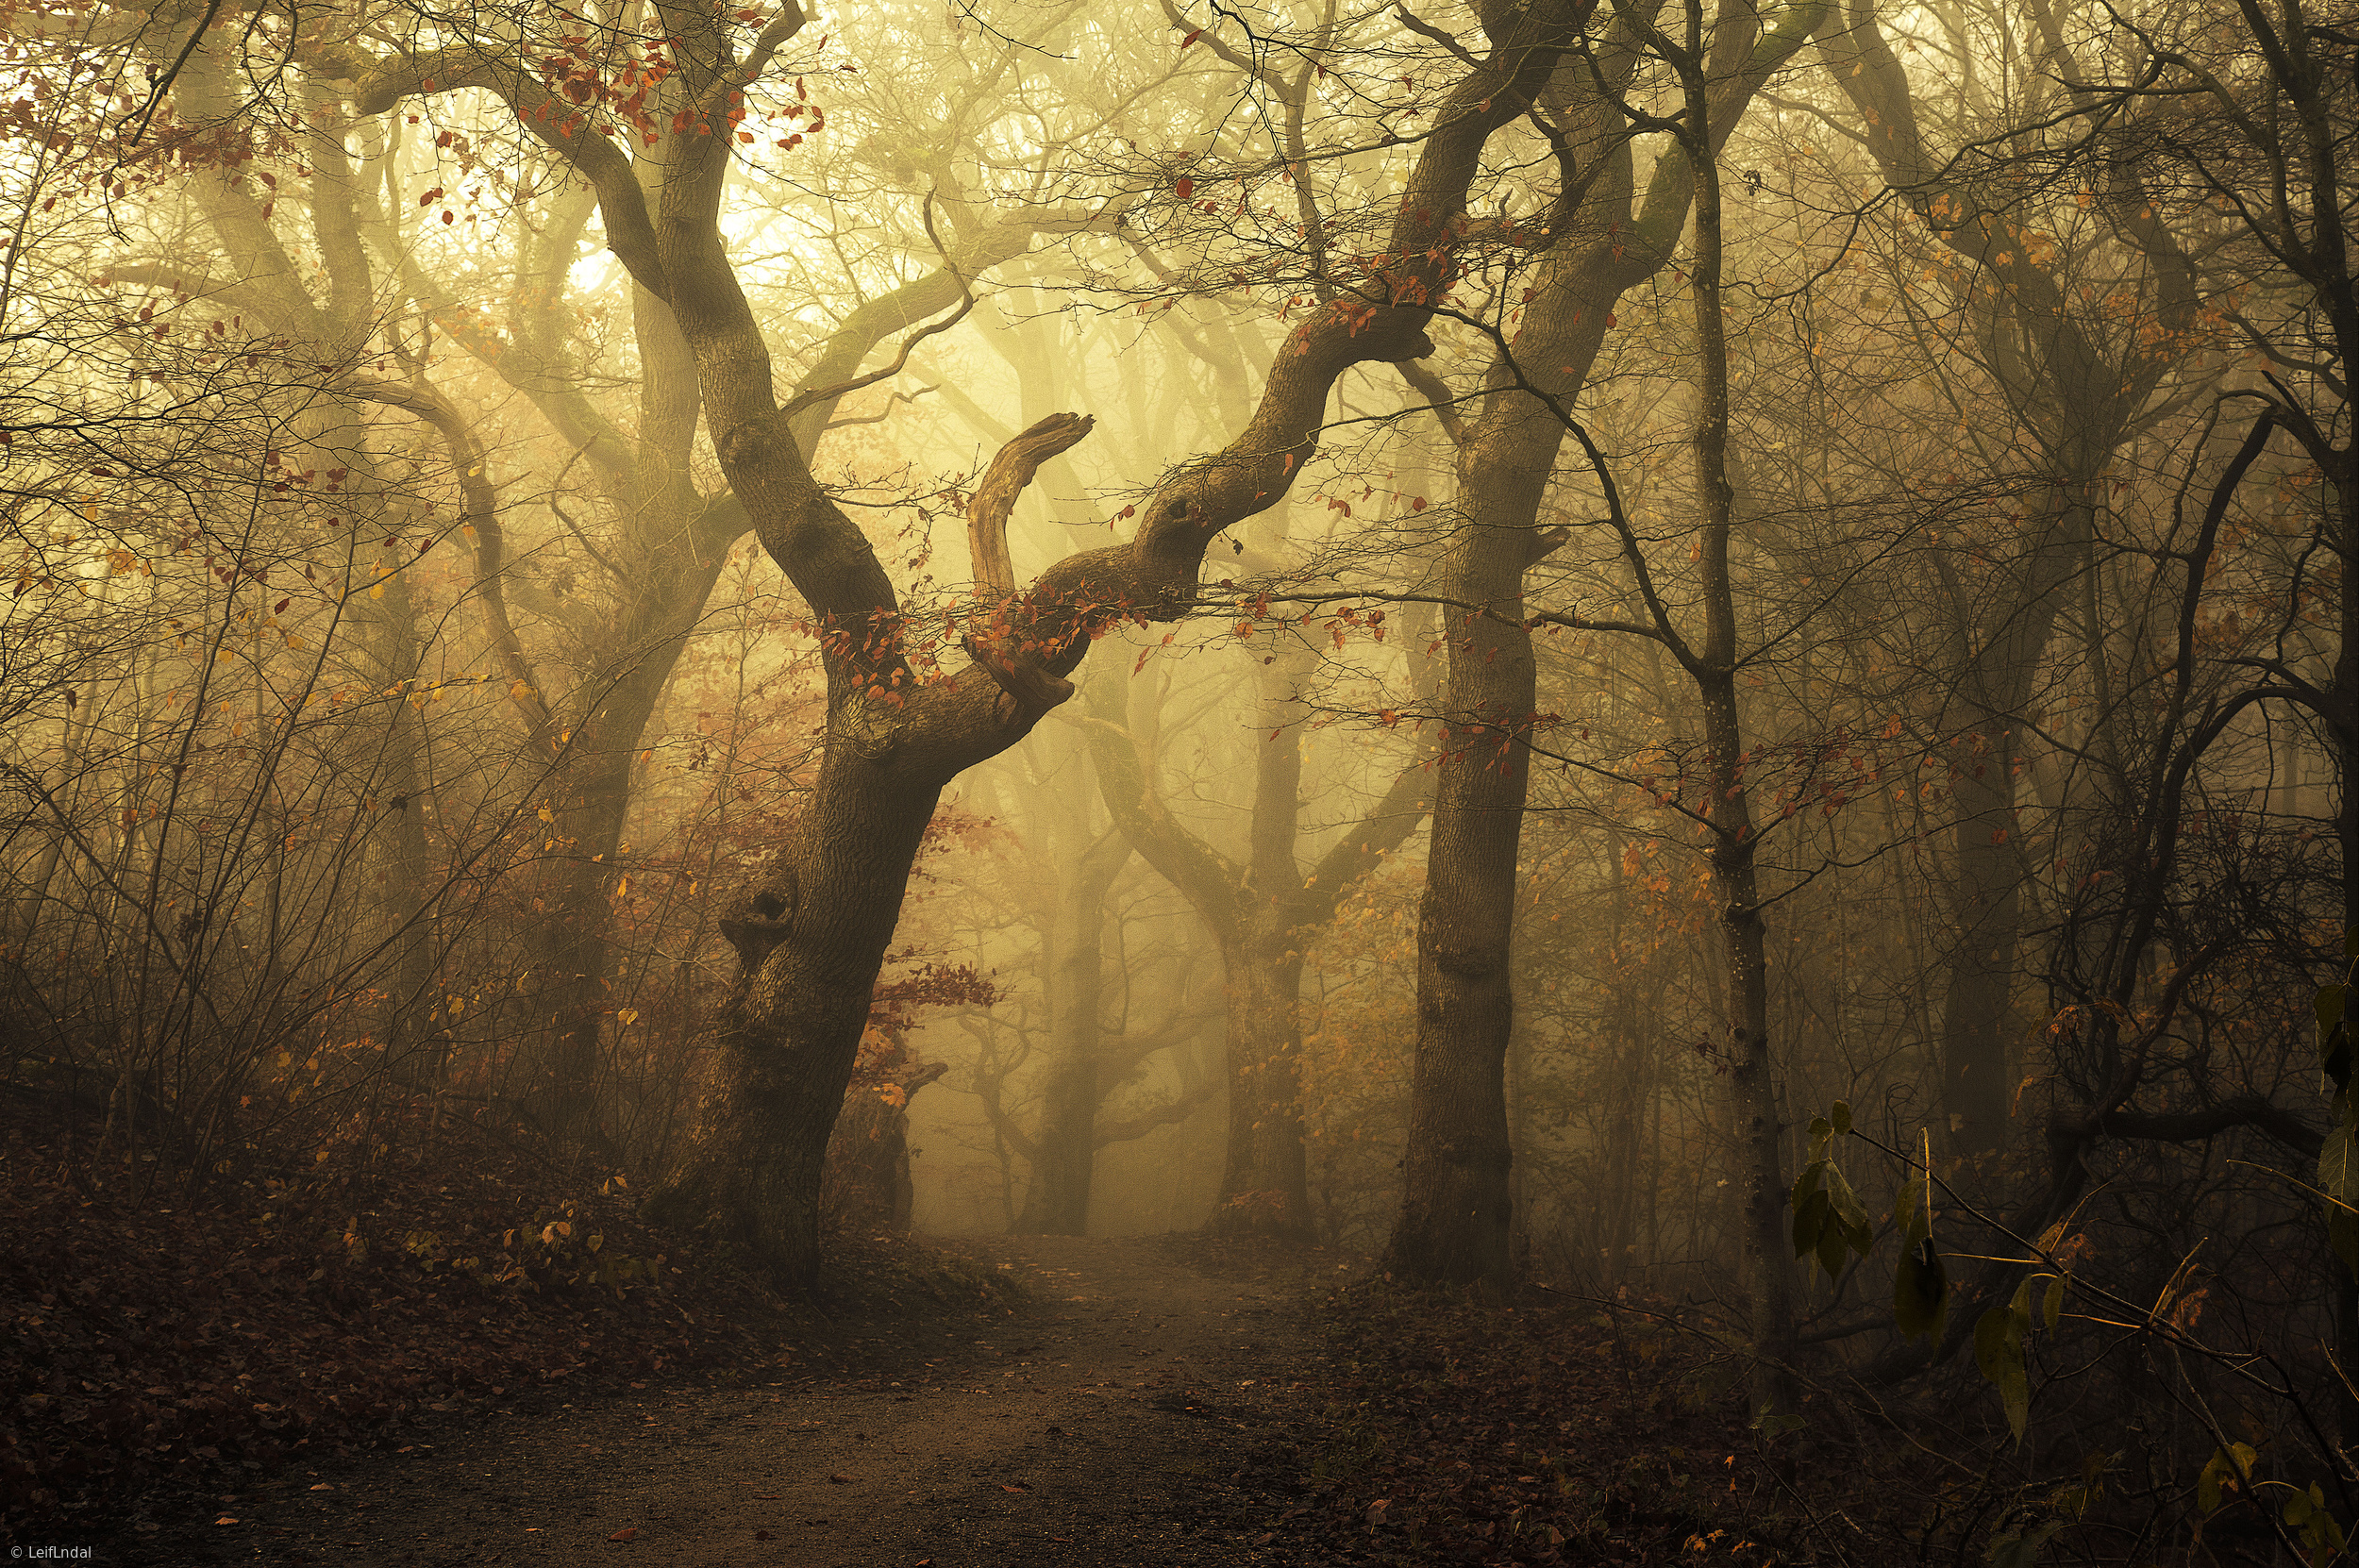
x=868 y=1183
x=811 y=939
x=1456 y=1210
x=1456 y=1213
x=787 y=1043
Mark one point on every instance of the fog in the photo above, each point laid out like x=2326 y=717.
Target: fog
x=1698 y=654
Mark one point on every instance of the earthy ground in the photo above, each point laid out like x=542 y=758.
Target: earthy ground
x=1113 y=1417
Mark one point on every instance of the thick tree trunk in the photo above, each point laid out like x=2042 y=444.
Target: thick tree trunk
x=812 y=939
x=1455 y=1213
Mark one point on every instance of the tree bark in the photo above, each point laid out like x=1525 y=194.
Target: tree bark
x=812 y=939
x=1456 y=1218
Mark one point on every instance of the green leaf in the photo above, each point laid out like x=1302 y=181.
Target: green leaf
x=1906 y=1208
x=1999 y=1351
x=1851 y=1214
x=1920 y=1287
x=1810 y=1222
x=1841 y=1117
x=1833 y=1247
x=2021 y=1549
x=2227 y=1466
x=2054 y=1304
x=2338 y=1179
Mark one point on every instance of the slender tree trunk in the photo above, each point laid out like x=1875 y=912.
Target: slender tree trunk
x=1066 y=1150
x=1768 y=1272
x=1264 y=1185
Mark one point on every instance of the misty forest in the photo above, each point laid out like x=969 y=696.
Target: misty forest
x=1507 y=782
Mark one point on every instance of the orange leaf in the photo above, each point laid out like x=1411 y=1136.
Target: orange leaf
x=625 y=1533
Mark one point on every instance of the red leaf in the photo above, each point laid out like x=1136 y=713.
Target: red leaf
x=1186 y=188
x=625 y=1533
x=1191 y=38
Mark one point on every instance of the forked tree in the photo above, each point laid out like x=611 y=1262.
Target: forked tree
x=812 y=935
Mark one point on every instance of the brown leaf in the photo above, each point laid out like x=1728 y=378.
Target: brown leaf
x=841 y=1480
x=225 y=1519
x=763 y=1535
x=625 y=1533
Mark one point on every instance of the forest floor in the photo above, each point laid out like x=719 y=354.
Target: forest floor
x=1106 y=1420
x=207 y=1389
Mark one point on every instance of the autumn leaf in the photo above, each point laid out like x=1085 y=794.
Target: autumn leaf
x=625 y=1533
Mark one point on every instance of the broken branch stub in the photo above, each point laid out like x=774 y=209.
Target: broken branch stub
x=991 y=644
x=1002 y=483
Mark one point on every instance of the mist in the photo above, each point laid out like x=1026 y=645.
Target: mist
x=1513 y=783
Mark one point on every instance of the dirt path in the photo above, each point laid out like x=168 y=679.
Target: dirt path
x=1104 y=1423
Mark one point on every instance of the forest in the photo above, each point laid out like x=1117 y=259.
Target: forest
x=1654 y=696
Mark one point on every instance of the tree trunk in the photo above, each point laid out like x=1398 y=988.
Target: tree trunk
x=1455 y=1212
x=1065 y=1151
x=1264 y=1184
x=810 y=939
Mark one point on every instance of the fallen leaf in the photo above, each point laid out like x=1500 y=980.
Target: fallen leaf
x=625 y=1533
x=1019 y=1486
x=841 y=1480
x=763 y=1535
x=225 y=1519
